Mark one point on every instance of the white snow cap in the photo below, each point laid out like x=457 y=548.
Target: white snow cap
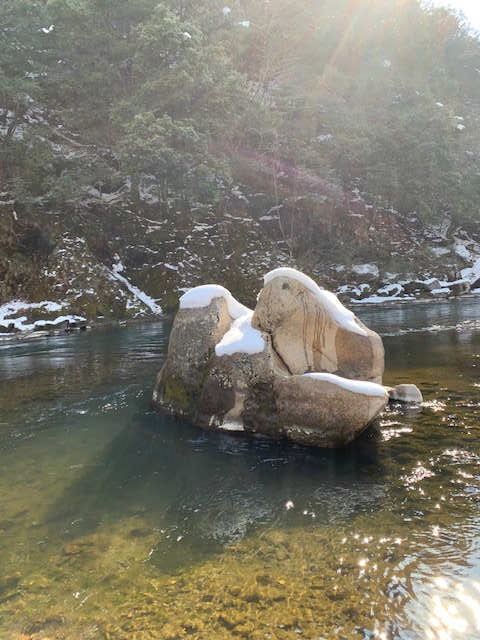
x=355 y=386
x=203 y=295
x=329 y=300
x=241 y=338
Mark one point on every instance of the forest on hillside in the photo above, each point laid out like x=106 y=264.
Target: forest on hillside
x=175 y=102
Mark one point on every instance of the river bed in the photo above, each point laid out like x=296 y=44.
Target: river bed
x=119 y=523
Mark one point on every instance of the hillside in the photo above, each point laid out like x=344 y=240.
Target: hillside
x=146 y=147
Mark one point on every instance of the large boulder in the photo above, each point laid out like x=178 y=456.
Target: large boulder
x=312 y=331
x=300 y=366
x=318 y=409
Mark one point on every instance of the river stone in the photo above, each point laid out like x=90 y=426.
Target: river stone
x=194 y=334
x=408 y=393
x=459 y=288
x=336 y=420
x=311 y=411
x=308 y=338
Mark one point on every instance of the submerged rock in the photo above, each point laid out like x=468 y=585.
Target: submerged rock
x=300 y=366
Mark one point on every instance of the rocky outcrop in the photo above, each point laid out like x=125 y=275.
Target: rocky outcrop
x=300 y=366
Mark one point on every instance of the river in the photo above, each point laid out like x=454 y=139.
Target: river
x=119 y=523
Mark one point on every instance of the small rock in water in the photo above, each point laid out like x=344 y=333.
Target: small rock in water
x=408 y=393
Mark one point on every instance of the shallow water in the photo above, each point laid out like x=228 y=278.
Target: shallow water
x=118 y=523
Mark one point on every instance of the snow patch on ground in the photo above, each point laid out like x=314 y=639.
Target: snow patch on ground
x=341 y=314
x=439 y=251
x=366 y=269
x=135 y=291
x=471 y=274
x=15 y=306
x=461 y=250
x=391 y=290
x=355 y=386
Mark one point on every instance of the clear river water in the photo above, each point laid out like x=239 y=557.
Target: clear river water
x=118 y=523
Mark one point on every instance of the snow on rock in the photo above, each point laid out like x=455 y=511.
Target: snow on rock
x=237 y=192
x=391 y=290
x=241 y=338
x=366 y=269
x=329 y=300
x=59 y=320
x=203 y=295
x=137 y=293
x=355 y=386
x=231 y=425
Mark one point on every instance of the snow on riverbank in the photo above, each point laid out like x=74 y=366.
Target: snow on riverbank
x=12 y=315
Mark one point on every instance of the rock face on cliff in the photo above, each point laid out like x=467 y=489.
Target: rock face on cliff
x=300 y=366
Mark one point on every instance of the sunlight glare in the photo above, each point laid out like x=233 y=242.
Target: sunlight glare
x=470 y=8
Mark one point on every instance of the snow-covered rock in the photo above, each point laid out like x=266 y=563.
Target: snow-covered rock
x=300 y=365
x=313 y=331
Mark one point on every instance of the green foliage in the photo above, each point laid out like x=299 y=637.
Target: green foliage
x=300 y=96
